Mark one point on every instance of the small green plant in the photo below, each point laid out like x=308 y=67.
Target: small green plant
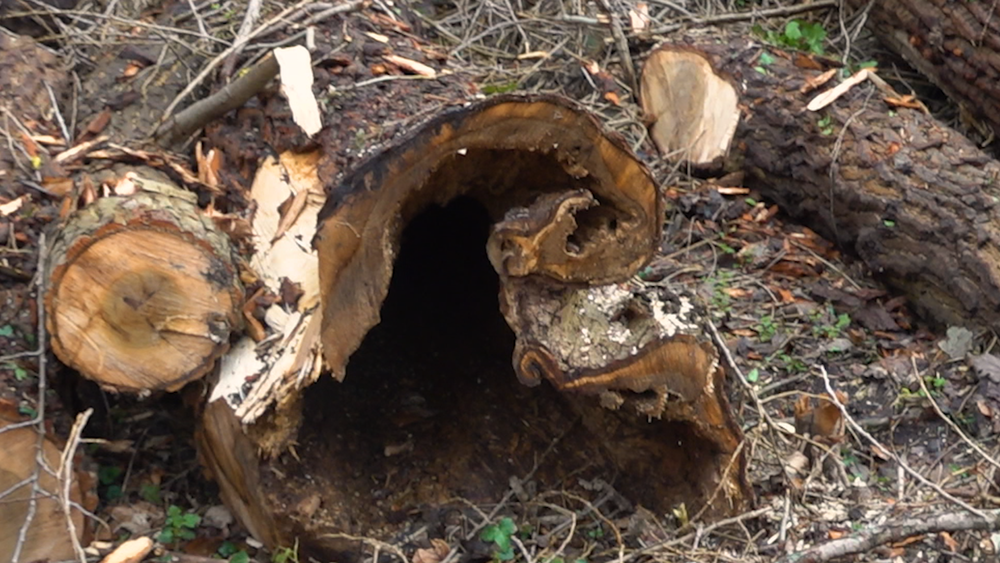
x=936 y=383
x=228 y=550
x=20 y=373
x=7 y=331
x=28 y=411
x=180 y=525
x=150 y=493
x=753 y=375
x=889 y=223
x=499 y=534
x=834 y=330
x=286 y=554
x=490 y=89
x=793 y=365
x=720 y=285
x=825 y=126
x=766 y=328
x=798 y=34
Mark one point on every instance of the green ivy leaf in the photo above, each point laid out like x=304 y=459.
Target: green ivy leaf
x=166 y=536
x=191 y=520
x=490 y=533
x=507 y=526
x=793 y=30
x=240 y=557
x=753 y=375
x=506 y=554
x=6 y=330
x=227 y=549
x=766 y=58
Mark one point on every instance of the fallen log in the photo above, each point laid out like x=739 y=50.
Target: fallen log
x=956 y=45
x=911 y=197
x=443 y=391
x=142 y=293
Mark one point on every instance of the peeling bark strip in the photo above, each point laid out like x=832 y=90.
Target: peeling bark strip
x=505 y=152
x=954 y=44
x=142 y=293
x=914 y=199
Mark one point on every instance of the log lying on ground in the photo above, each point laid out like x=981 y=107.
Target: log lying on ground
x=142 y=293
x=954 y=44
x=47 y=536
x=913 y=198
x=425 y=406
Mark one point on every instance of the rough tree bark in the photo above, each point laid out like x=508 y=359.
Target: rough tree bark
x=914 y=199
x=142 y=293
x=567 y=216
x=954 y=44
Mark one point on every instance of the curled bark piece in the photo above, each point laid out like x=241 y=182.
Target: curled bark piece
x=530 y=146
x=142 y=292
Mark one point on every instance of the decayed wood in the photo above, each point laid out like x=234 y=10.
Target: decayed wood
x=573 y=216
x=954 y=44
x=142 y=293
x=47 y=537
x=692 y=109
x=913 y=198
x=554 y=147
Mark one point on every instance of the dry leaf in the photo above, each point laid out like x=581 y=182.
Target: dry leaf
x=814 y=82
x=99 y=122
x=377 y=36
x=807 y=62
x=836 y=534
x=831 y=95
x=411 y=65
x=131 y=70
x=13 y=205
x=296 y=83
x=58 y=185
x=613 y=98
x=905 y=101
x=132 y=551
x=949 y=541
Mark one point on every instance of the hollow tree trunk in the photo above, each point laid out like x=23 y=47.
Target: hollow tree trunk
x=522 y=196
x=913 y=198
x=141 y=291
x=954 y=44
x=46 y=536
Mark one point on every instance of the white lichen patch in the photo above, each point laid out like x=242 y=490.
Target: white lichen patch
x=593 y=326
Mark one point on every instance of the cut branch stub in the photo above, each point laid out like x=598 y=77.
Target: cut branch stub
x=142 y=292
x=507 y=152
x=692 y=110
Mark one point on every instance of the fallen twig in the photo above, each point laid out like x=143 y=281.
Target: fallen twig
x=869 y=538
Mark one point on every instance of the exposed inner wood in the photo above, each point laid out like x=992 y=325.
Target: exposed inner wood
x=139 y=298
x=47 y=537
x=692 y=108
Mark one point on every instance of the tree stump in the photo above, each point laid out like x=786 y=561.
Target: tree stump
x=911 y=197
x=47 y=536
x=442 y=389
x=141 y=291
x=954 y=44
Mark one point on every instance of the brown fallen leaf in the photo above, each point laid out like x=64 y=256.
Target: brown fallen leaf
x=904 y=101
x=13 y=205
x=132 y=551
x=814 y=82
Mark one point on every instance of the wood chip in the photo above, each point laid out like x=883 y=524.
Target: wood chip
x=831 y=95
x=411 y=65
x=296 y=83
x=132 y=551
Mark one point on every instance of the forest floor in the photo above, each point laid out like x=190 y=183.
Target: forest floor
x=799 y=317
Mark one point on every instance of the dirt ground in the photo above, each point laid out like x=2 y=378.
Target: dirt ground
x=799 y=317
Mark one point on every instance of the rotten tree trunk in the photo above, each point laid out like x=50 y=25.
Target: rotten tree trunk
x=914 y=199
x=522 y=196
x=954 y=44
x=141 y=290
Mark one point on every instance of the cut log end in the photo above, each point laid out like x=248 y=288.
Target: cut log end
x=142 y=296
x=693 y=111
